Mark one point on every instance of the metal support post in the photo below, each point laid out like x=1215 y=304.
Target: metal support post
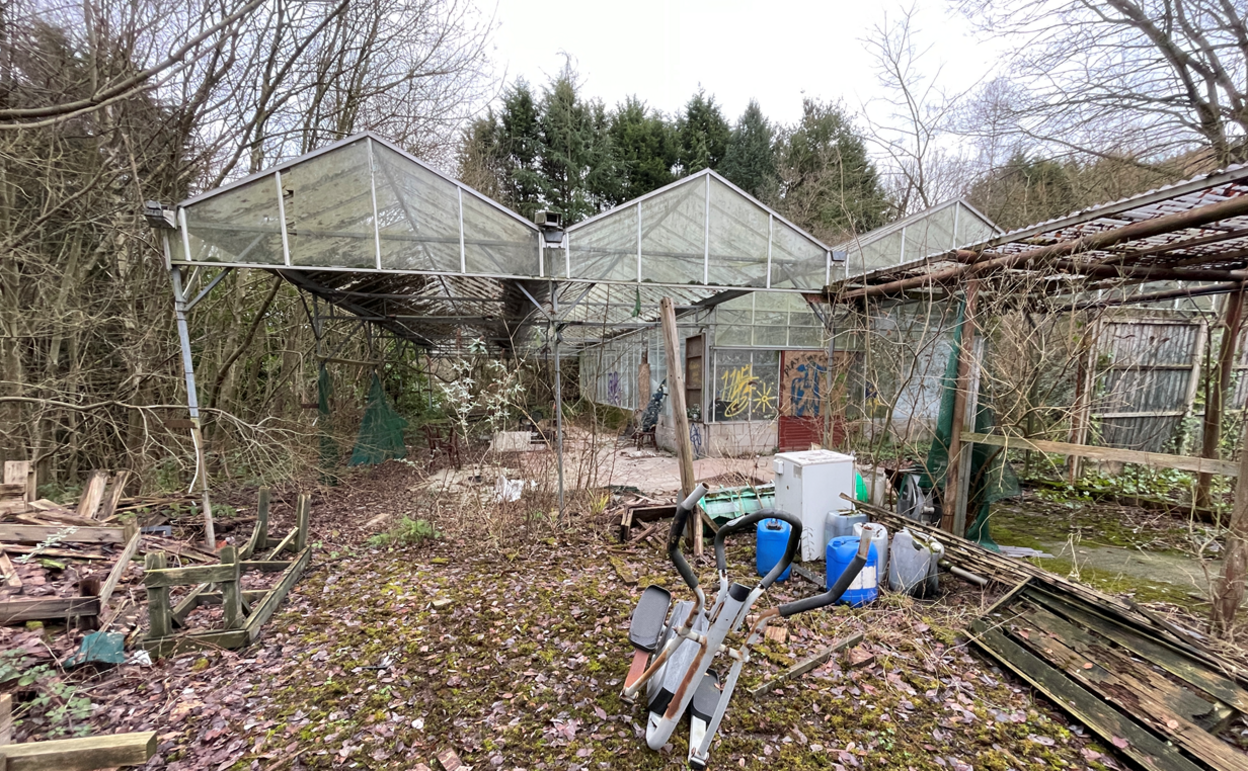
x=192 y=403
x=554 y=343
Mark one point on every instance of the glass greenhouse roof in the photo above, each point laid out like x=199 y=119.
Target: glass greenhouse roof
x=373 y=230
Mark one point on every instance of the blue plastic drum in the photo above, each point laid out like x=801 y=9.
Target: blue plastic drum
x=865 y=587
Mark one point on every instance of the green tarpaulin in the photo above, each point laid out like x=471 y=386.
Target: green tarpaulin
x=992 y=479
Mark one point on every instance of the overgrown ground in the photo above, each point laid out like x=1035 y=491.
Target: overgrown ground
x=511 y=652
x=1153 y=556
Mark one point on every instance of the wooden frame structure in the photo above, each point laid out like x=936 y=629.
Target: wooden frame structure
x=244 y=612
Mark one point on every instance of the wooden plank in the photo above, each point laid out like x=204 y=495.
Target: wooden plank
x=11 y=579
x=160 y=624
x=114 y=496
x=123 y=562
x=85 y=754
x=266 y=607
x=1141 y=746
x=284 y=544
x=171 y=645
x=92 y=494
x=303 y=513
x=1153 y=459
x=6 y=720
x=684 y=446
x=1151 y=699
x=1155 y=651
x=77 y=554
x=231 y=600
x=265 y=566
x=22 y=472
x=815 y=661
x=47 y=609
x=47 y=510
x=41 y=533
x=189 y=576
x=259 y=533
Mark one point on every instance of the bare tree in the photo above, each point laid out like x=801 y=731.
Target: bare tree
x=1146 y=78
x=915 y=131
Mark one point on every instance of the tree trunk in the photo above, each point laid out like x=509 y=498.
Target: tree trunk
x=1228 y=592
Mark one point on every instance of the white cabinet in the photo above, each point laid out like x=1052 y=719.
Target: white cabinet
x=809 y=485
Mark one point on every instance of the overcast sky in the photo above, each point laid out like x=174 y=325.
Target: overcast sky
x=776 y=52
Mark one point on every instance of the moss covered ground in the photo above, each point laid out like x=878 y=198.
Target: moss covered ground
x=515 y=661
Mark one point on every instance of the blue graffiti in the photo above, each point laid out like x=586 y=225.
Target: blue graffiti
x=695 y=438
x=804 y=389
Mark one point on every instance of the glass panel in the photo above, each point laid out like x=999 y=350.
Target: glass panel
x=796 y=262
x=738 y=239
x=805 y=337
x=329 y=209
x=497 y=243
x=241 y=225
x=746 y=385
x=418 y=214
x=764 y=400
x=971 y=229
x=673 y=235
x=880 y=253
x=605 y=249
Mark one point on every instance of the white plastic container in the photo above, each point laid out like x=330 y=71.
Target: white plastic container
x=879 y=539
x=809 y=484
x=910 y=563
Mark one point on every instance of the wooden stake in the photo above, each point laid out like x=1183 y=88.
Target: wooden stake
x=684 y=446
x=6 y=719
x=807 y=665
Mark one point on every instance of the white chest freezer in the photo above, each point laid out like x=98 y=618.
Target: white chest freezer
x=809 y=485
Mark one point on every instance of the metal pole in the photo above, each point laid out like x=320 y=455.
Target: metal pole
x=554 y=345
x=192 y=403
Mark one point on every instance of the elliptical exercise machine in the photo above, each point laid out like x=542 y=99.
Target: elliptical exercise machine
x=674 y=650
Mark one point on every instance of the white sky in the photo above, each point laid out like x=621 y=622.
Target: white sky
x=776 y=52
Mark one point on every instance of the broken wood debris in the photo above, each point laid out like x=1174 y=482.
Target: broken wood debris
x=1118 y=675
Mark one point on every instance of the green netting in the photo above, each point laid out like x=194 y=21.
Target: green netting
x=992 y=479
x=381 y=430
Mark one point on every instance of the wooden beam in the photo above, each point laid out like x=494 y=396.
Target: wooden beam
x=160 y=623
x=231 y=599
x=952 y=500
x=1153 y=459
x=92 y=494
x=265 y=608
x=684 y=446
x=1228 y=351
x=85 y=754
x=303 y=512
x=171 y=645
x=189 y=576
x=122 y=563
x=1228 y=590
x=260 y=533
x=978 y=265
x=48 y=608
x=6 y=720
x=41 y=533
